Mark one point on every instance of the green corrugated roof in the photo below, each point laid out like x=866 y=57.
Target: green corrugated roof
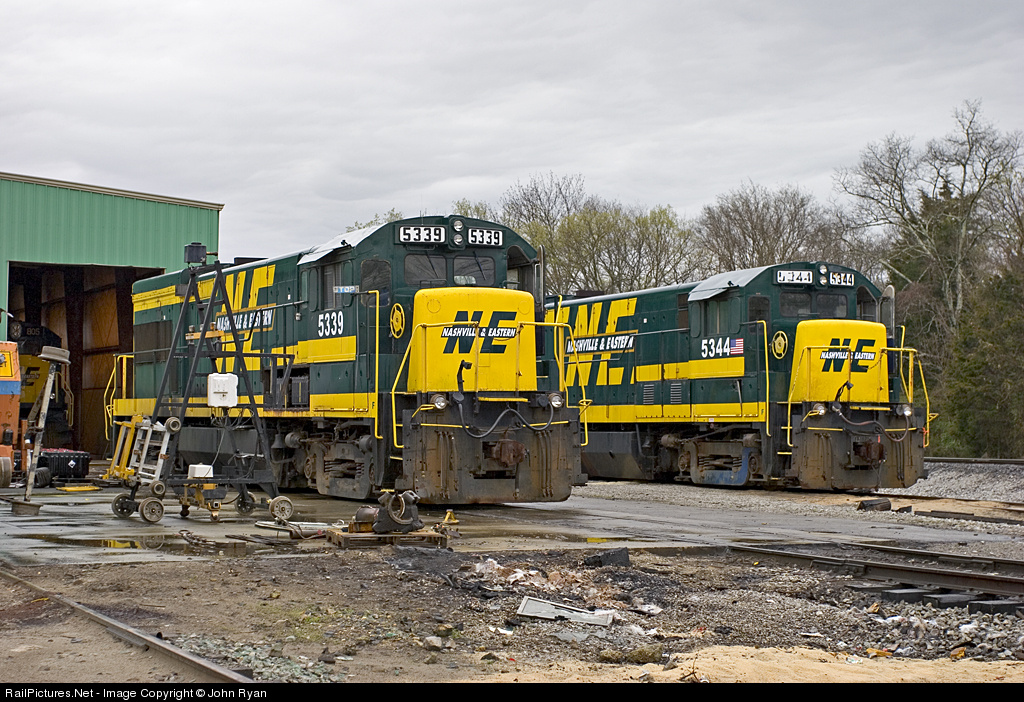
x=62 y=223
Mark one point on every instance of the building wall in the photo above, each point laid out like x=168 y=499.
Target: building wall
x=46 y=221
x=69 y=253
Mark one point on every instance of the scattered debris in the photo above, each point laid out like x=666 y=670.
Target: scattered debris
x=614 y=557
x=300 y=530
x=260 y=539
x=879 y=504
x=543 y=609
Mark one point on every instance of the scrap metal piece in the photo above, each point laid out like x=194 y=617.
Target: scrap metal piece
x=880 y=504
x=543 y=609
x=299 y=530
x=399 y=513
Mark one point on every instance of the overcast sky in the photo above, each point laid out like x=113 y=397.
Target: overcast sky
x=304 y=117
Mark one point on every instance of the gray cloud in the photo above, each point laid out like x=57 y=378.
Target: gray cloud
x=304 y=117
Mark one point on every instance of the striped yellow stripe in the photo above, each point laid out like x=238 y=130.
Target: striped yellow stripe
x=347 y=405
x=731 y=367
x=719 y=412
x=156 y=298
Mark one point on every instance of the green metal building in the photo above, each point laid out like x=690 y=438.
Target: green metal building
x=69 y=254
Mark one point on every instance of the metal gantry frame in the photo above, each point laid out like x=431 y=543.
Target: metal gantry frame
x=241 y=469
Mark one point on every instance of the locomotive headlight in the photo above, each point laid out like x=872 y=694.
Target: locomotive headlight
x=823 y=269
x=457 y=239
x=905 y=410
x=556 y=400
x=821 y=280
x=458 y=225
x=439 y=401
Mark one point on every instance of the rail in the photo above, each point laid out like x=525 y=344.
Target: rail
x=134 y=636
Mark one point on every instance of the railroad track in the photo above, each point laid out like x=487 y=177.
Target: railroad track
x=992 y=576
x=190 y=664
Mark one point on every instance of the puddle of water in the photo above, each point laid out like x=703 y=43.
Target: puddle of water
x=173 y=544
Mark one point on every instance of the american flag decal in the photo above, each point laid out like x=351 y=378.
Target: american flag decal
x=736 y=347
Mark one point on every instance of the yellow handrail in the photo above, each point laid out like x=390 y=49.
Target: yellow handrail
x=120 y=363
x=928 y=416
x=767 y=393
x=883 y=353
x=476 y=324
x=376 y=369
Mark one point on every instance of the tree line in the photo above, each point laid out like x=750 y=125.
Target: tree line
x=943 y=223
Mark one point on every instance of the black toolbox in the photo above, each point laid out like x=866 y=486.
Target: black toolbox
x=65 y=464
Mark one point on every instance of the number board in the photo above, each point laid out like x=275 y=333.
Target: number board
x=421 y=235
x=485 y=237
x=794 y=276
x=844 y=279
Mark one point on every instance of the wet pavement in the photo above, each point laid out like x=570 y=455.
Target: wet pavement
x=79 y=527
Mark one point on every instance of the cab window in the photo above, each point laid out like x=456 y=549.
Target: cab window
x=426 y=270
x=866 y=306
x=474 y=270
x=795 y=304
x=375 y=274
x=833 y=306
x=757 y=309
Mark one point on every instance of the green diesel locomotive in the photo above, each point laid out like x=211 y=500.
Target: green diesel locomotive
x=398 y=357
x=785 y=375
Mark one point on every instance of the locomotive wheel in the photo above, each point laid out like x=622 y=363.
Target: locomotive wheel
x=158 y=488
x=151 y=510
x=122 y=506
x=281 y=507
x=244 y=507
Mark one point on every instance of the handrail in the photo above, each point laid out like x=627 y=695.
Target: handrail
x=882 y=353
x=476 y=324
x=928 y=416
x=563 y=388
x=120 y=362
x=401 y=367
x=376 y=368
x=767 y=382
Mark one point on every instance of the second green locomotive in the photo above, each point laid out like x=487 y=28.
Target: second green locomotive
x=785 y=375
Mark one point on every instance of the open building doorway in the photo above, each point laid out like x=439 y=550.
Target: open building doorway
x=89 y=309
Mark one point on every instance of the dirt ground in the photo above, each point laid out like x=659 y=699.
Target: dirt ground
x=419 y=615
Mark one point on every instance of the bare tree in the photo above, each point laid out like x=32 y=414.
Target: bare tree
x=938 y=207
x=614 y=248
x=477 y=210
x=754 y=226
x=544 y=201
